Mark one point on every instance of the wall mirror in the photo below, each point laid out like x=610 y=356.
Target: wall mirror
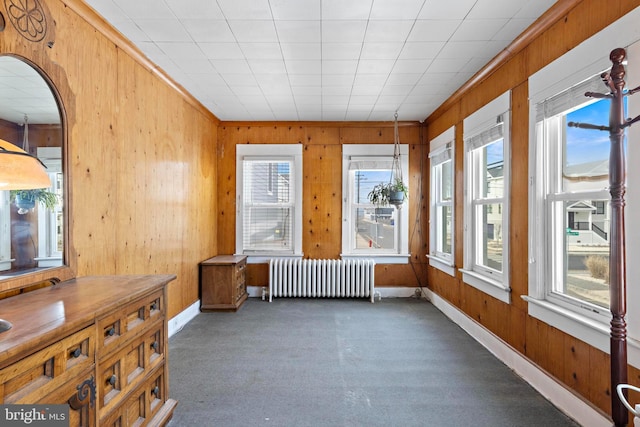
x=32 y=223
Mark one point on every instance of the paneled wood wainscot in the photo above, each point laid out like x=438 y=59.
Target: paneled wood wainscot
x=97 y=343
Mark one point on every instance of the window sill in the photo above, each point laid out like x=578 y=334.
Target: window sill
x=381 y=259
x=487 y=285
x=442 y=265
x=264 y=258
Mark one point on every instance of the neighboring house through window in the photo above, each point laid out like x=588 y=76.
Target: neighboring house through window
x=269 y=200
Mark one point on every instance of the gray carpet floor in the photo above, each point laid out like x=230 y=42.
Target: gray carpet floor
x=303 y=362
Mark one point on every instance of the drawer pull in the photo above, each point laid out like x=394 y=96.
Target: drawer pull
x=155 y=391
x=155 y=345
x=112 y=380
x=86 y=389
x=154 y=306
x=76 y=353
x=111 y=331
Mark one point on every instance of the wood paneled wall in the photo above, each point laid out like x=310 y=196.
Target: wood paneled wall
x=322 y=189
x=140 y=155
x=579 y=366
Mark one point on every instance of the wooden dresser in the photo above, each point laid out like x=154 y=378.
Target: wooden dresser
x=98 y=344
x=222 y=282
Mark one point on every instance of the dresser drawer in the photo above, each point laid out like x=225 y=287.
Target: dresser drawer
x=39 y=374
x=142 y=405
x=122 y=325
x=122 y=372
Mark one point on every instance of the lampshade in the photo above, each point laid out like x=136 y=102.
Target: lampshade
x=19 y=170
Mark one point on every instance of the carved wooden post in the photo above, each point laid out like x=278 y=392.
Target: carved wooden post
x=614 y=81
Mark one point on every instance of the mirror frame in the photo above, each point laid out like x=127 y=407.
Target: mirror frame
x=68 y=269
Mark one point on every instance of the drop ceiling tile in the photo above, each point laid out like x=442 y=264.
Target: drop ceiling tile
x=458 y=50
x=338 y=99
x=339 y=67
x=295 y=9
x=337 y=79
x=279 y=81
x=196 y=66
x=478 y=29
x=181 y=51
x=341 y=50
x=245 y=9
x=357 y=116
x=306 y=91
x=403 y=78
x=409 y=66
x=208 y=30
x=301 y=51
x=336 y=91
x=449 y=65
x=237 y=79
x=267 y=66
x=360 y=100
x=366 y=90
x=341 y=9
x=388 y=30
x=305 y=80
x=375 y=66
x=343 y=31
x=235 y=66
x=396 y=9
x=511 y=30
x=449 y=9
x=247 y=90
x=195 y=9
x=381 y=50
x=145 y=9
x=370 y=79
x=303 y=67
x=261 y=31
x=306 y=100
x=261 y=51
x=487 y=9
x=420 y=50
x=164 y=30
x=298 y=31
x=221 y=50
x=433 y=31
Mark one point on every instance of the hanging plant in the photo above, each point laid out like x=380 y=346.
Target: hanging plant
x=25 y=200
x=395 y=191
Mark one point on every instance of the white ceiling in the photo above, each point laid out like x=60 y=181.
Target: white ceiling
x=328 y=60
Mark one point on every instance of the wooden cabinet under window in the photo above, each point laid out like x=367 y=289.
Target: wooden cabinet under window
x=222 y=282
x=97 y=344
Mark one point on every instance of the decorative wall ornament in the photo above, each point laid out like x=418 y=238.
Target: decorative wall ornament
x=28 y=17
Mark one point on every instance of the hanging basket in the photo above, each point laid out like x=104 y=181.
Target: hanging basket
x=24 y=204
x=396 y=198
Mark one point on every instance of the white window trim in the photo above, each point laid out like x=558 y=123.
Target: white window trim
x=585 y=60
x=436 y=260
x=267 y=150
x=495 y=285
x=374 y=150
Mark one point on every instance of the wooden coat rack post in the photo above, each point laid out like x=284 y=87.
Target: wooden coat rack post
x=614 y=81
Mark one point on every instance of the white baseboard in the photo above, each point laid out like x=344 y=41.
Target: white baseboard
x=563 y=398
x=177 y=323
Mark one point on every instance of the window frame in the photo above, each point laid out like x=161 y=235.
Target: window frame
x=442 y=150
x=479 y=123
x=380 y=152
x=291 y=152
x=575 y=66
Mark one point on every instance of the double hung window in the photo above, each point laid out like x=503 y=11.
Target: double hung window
x=441 y=244
x=486 y=142
x=368 y=229
x=269 y=208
